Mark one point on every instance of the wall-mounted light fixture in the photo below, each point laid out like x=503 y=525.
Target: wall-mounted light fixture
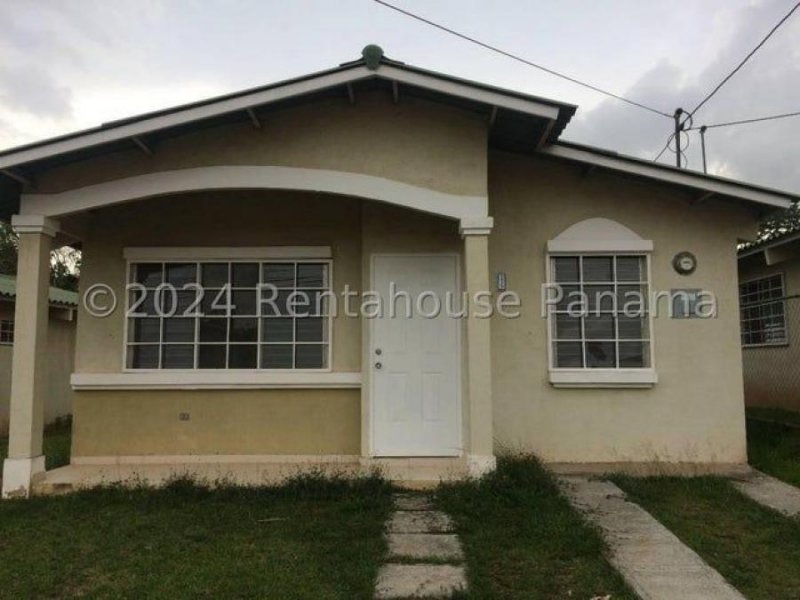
x=502 y=282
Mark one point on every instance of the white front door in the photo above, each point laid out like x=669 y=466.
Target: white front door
x=414 y=362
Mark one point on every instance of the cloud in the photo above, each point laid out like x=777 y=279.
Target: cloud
x=769 y=83
x=33 y=90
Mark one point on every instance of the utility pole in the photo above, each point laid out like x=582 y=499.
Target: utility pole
x=703 y=146
x=677 y=117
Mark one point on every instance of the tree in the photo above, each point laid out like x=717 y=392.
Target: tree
x=65 y=262
x=780 y=223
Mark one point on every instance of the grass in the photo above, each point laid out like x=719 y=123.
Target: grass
x=755 y=549
x=523 y=540
x=56 y=443
x=775 y=448
x=311 y=538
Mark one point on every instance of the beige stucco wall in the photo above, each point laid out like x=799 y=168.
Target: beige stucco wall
x=413 y=141
x=289 y=422
x=695 y=411
x=60 y=352
x=772 y=373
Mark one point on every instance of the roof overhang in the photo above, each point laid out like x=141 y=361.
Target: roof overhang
x=549 y=117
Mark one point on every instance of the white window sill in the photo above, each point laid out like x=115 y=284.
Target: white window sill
x=215 y=380
x=603 y=378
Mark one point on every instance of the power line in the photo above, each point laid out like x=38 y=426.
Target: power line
x=744 y=121
x=522 y=60
x=746 y=58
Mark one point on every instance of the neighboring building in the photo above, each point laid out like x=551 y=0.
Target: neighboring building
x=366 y=174
x=769 y=288
x=60 y=350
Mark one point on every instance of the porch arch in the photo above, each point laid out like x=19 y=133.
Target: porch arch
x=465 y=209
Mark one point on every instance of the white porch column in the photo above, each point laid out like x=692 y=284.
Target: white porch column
x=25 y=462
x=480 y=451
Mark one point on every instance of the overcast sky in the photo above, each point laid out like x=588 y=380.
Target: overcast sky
x=71 y=64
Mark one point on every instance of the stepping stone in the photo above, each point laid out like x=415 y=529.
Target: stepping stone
x=423 y=521
x=419 y=581
x=407 y=502
x=772 y=493
x=425 y=546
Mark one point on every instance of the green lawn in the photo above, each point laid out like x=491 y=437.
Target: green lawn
x=523 y=540
x=754 y=548
x=57 y=440
x=312 y=538
x=774 y=448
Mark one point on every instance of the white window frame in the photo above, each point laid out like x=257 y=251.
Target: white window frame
x=600 y=237
x=782 y=300
x=278 y=254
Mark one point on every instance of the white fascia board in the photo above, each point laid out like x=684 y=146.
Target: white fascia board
x=280 y=92
x=464 y=90
x=693 y=180
x=215 y=380
x=588 y=246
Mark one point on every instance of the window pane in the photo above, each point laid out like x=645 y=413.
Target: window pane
x=244 y=330
x=571 y=298
x=244 y=302
x=567 y=327
x=144 y=330
x=311 y=275
x=277 y=330
x=244 y=274
x=275 y=304
x=186 y=298
x=631 y=328
x=598 y=268
x=311 y=330
x=634 y=297
x=178 y=330
x=242 y=356
x=630 y=268
x=566 y=269
x=214 y=275
x=179 y=274
x=310 y=356
x=143 y=302
x=599 y=328
x=143 y=357
x=177 y=356
x=316 y=303
x=569 y=354
x=600 y=355
x=599 y=297
x=633 y=354
x=213 y=330
x=211 y=356
x=148 y=274
x=279 y=274
x=277 y=356
x=216 y=302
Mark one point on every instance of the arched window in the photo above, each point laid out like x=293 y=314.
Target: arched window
x=598 y=307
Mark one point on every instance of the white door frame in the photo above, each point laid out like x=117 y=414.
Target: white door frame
x=370 y=355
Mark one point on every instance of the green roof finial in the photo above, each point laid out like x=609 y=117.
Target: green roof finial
x=372 y=55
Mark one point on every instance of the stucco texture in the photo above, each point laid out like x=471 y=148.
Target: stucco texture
x=771 y=373
x=695 y=413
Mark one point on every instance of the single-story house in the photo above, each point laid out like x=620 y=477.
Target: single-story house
x=366 y=179
x=59 y=350
x=769 y=291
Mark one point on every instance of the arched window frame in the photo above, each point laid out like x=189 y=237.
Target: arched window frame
x=600 y=237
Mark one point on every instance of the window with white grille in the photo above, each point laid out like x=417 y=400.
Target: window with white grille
x=763 y=311
x=6 y=331
x=228 y=315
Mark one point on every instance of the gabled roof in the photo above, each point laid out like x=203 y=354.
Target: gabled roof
x=58 y=297
x=518 y=123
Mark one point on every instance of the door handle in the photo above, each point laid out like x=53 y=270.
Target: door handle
x=378 y=365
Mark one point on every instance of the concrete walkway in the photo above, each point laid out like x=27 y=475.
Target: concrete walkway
x=655 y=563
x=421 y=543
x=770 y=492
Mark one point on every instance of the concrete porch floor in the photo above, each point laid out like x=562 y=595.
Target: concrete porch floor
x=413 y=473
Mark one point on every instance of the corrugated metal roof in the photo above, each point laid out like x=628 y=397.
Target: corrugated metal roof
x=8 y=289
